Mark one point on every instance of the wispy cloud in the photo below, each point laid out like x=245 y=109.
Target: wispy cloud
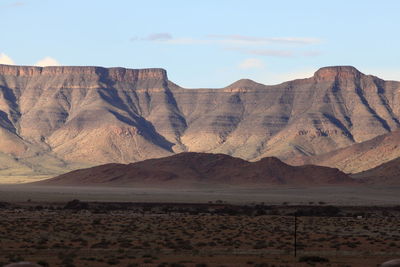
x=163 y=36
x=189 y=41
x=270 y=52
x=167 y=38
x=14 y=4
x=228 y=39
x=4 y=59
x=274 y=52
x=243 y=39
x=252 y=45
x=47 y=61
x=251 y=63
x=154 y=37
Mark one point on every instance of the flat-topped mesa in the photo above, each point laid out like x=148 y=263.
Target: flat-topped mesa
x=337 y=72
x=117 y=74
x=122 y=74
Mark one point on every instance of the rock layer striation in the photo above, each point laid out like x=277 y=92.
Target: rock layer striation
x=57 y=118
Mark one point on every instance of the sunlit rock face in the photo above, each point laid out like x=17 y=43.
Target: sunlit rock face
x=53 y=118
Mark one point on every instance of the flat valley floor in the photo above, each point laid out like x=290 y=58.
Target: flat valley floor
x=337 y=226
x=334 y=195
x=219 y=226
x=78 y=233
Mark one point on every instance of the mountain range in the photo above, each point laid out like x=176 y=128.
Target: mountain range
x=56 y=119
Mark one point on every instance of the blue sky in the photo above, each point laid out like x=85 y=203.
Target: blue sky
x=205 y=43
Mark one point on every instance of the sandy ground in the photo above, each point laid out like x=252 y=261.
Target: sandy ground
x=335 y=195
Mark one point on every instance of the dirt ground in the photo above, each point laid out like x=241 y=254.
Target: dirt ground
x=335 y=195
x=81 y=233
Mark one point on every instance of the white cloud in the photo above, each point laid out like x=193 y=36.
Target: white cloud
x=4 y=59
x=47 y=61
x=251 y=63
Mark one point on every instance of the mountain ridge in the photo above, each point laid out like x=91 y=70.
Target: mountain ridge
x=114 y=72
x=95 y=115
x=387 y=173
x=194 y=169
x=359 y=156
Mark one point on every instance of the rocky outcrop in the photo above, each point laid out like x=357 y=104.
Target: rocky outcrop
x=337 y=73
x=94 y=115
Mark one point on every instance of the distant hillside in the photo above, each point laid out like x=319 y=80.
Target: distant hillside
x=358 y=157
x=194 y=169
x=385 y=174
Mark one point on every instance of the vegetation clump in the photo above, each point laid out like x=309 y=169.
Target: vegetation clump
x=313 y=259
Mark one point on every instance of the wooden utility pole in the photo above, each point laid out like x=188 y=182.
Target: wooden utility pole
x=295 y=234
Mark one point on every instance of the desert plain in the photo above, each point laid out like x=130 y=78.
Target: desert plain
x=105 y=226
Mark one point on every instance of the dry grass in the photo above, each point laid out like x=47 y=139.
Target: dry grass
x=193 y=235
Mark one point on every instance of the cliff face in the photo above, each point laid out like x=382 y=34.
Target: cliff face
x=337 y=107
x=94 y=115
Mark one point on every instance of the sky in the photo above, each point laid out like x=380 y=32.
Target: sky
x=207 y=43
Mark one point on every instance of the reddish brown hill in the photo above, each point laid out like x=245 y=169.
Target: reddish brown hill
x=191 y=168
x=387 y=174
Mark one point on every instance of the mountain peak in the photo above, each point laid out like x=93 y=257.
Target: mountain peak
x=334 y=72
x=244 y=84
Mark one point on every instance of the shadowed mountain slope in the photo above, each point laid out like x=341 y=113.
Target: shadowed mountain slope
x=387 y=174
x=95 y=115
x=192 y=168
x=358 y=157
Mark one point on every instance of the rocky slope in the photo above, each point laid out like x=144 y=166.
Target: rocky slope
x=358 y=157
x=52 y=118
x=385 y=174
x=194 y=169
